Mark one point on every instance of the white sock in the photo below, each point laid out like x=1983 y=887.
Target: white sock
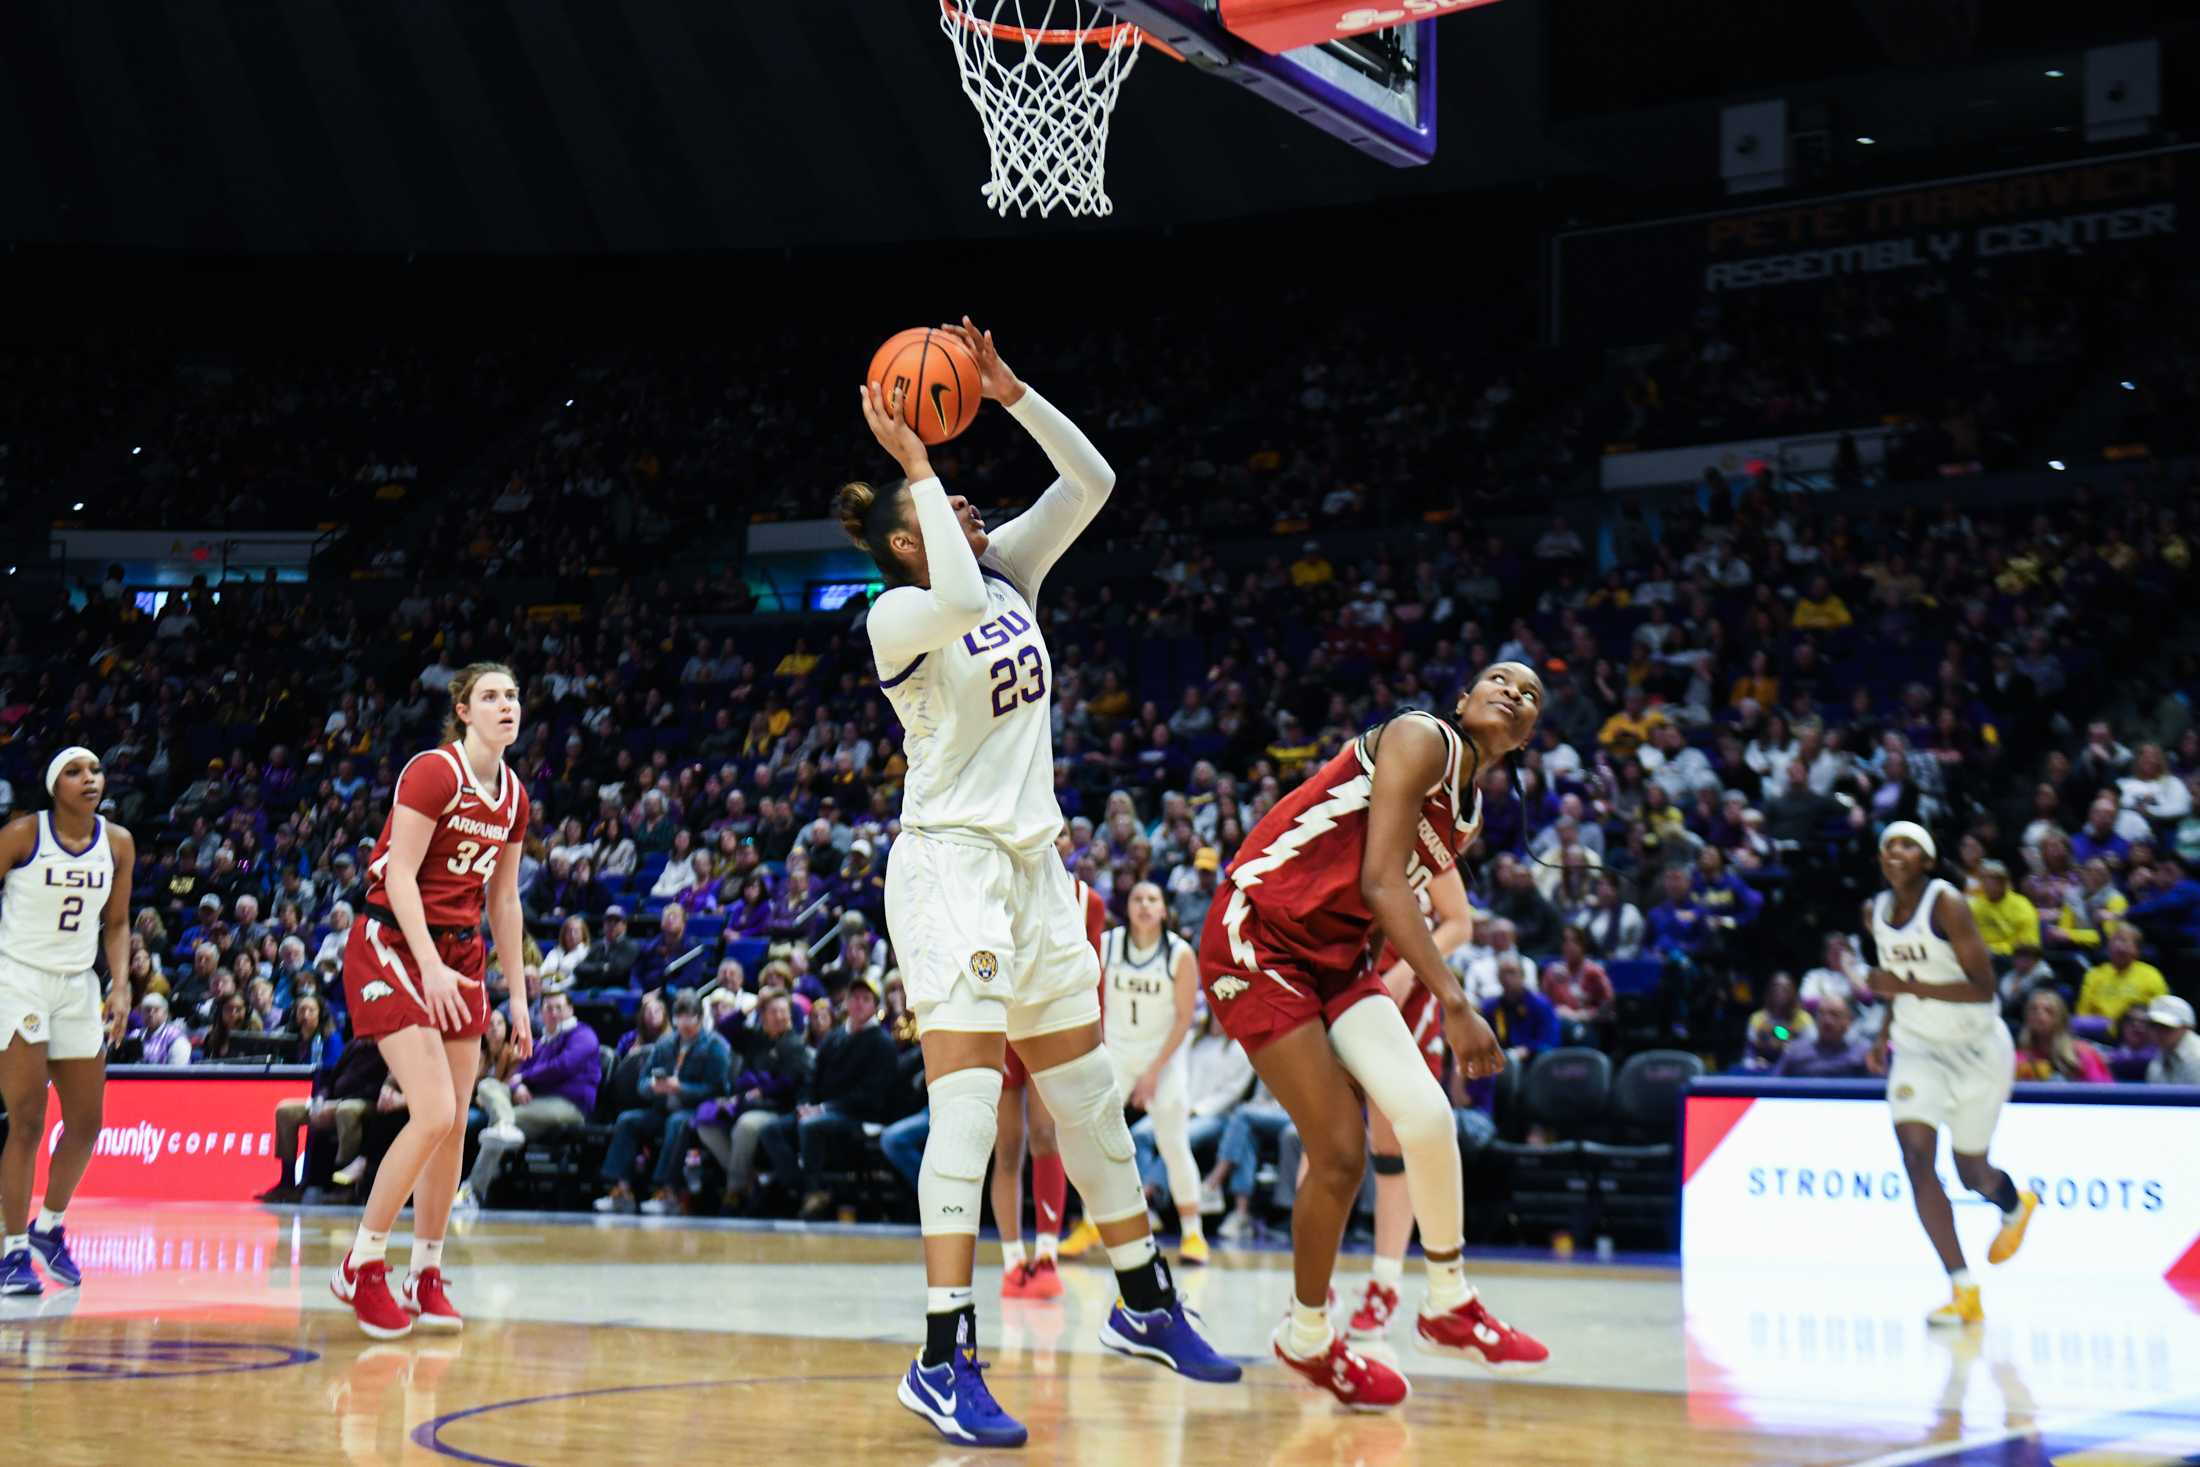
x=1126 y=1256
x=426 y=1254
x=369 y=1247
x=1048 y=1247
x=1447 y=1286
x=947 y=1301
x=1308 y=1334
x=2008 y=1217
x=1388 y=1271
x=17 y=1243
x=48 y=1219
x=1191 y=1225
x=1012 y=1253
x=1962 y=1279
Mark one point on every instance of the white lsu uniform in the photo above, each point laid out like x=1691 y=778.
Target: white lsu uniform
x=1953 y=1063
x=983 y=915
x=1139 y=1010
x=50 y=912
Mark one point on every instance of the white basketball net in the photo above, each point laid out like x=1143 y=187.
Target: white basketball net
x=1043 y=75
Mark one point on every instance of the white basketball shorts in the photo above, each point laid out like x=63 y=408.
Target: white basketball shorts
x=989 y=942
x=1960 y=1086
x=58 y=1010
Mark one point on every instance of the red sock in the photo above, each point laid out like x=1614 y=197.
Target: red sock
x=1049 y=1192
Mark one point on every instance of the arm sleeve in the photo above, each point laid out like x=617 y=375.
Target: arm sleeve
x=1028 y=545
x=909 y=621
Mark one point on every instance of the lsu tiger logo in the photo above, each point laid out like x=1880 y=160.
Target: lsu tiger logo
x=984 y=966
x=30 y=1024
x=376 y=989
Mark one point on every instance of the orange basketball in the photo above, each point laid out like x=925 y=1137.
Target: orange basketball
x=933 y=378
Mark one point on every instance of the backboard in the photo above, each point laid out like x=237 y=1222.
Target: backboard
x=1376 y=90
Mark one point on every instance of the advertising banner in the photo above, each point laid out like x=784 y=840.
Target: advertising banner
x=1787 y=1176
x=181 y=1140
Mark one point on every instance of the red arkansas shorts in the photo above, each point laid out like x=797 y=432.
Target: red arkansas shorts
x=1013 y=1073
x=382 y=983
x=1276 y=991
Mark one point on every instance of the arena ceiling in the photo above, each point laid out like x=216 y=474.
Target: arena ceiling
x=581 y=127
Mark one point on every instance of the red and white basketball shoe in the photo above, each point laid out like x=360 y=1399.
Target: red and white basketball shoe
x=1360 y=1383
x=366 y=1289
x=1043 y=1281
x=1371 y=1321
x=1471 y=1332
x=426 y=1300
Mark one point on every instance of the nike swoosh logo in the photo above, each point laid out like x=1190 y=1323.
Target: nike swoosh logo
x=946 y=1407
x=939 y=390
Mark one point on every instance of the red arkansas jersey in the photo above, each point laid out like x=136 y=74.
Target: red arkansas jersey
x=1426 y=1019
x=472 y=827
x=1096 y=915
x=1422 y=1014
x=1300 y=867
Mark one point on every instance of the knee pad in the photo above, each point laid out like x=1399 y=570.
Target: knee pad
x=1389 y=1166
x=965 y=1112
x=1094 y=1140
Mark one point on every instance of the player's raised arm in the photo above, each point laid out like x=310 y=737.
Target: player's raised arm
x=922 y=542
x=1028 y=545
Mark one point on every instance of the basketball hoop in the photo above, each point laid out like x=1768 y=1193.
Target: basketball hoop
x=1045 y=115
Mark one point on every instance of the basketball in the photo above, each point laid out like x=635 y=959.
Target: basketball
x=933 y=379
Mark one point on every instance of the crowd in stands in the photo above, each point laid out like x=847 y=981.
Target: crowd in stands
x=1743 y=690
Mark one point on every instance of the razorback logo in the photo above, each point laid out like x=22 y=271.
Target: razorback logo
x=376 y=989
x=1228 y=986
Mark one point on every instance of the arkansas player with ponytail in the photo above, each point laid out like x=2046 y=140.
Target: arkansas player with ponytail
x=413 y=982
x=1338 y=865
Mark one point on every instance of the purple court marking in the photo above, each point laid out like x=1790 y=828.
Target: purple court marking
x=96 y=1360
x=429 y=1434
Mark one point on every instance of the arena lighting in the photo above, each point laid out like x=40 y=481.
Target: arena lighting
x=136 y=451
x=77 y=508
x=569 y=402
x=2056 y=464
x=1867 y=142
x=2127 y=386
x=2055 y=71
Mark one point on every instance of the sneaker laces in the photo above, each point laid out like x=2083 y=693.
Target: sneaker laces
x=981 y=1398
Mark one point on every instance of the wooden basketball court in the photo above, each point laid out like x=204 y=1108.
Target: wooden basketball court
x=208 y=1335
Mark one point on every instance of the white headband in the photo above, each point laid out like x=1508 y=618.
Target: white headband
x=53 y=770
x=1910 y=830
